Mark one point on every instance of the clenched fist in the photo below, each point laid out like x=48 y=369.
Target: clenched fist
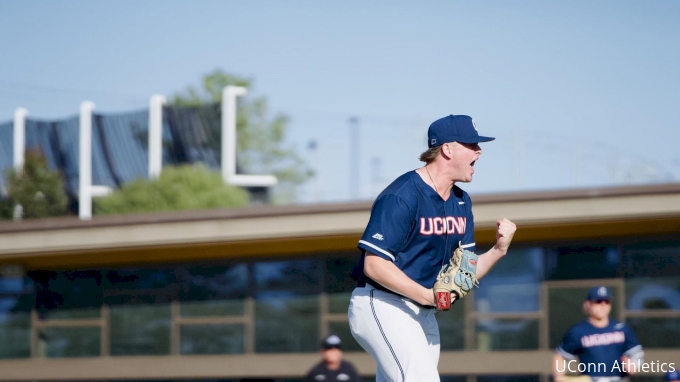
x=505 y=230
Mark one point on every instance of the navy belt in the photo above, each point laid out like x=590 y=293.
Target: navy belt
x=363 y=282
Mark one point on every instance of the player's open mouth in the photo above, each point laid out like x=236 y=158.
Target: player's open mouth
x=473 y=163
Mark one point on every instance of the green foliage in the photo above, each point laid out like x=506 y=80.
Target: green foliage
x=177 y=189
x=211 y=89
x=38 y=190
x=260 y=137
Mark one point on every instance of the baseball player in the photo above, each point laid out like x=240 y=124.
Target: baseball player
x=332 y=367
x=607 y=350
x=416 y=224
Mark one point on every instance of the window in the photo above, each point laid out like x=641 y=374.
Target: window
x=58 y=342
x=338 y=289
x=507 y=306
x=68 y=294
x=15 y=324
x=513 y=285
x=582 y=262
x=212 y=339
x=651 y=258
x=287 y=305
x=218 y=293
x=652 y=291
x=140 y=301
x=656 y=332
x=507 y=334
x=452 y=328
x=339 y=284
x=140 y=329
x=655 y=294
x=213 y=291
x=68 y=305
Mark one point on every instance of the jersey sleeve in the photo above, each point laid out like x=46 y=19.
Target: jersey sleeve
x=468 y=241
x=633 y=349
x=388 y=227
x=569 y=345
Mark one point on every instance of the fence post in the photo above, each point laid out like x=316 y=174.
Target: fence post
x=85 y=161
x=156 y=135
x=229 y=144
x=19 y=157
x=19 y=137
x=85 y=188
x=229 y=94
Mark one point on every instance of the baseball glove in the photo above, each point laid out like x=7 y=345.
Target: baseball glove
x=457 y=277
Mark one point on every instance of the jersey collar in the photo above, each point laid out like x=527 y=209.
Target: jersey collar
x=428 y=190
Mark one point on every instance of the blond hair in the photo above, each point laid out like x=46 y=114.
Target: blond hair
x=431 y=154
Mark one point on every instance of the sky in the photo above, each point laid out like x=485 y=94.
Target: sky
x=578 y=93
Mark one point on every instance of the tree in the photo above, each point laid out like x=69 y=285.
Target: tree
x=39 y=191
x=178 y=188
x=260 y=137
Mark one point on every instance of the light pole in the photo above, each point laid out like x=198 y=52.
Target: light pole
x=354 y=157
x=315 y=194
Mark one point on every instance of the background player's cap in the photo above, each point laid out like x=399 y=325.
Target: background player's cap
x=458 y=128
x=672 y=376
x=330 y=342
x=599 y=293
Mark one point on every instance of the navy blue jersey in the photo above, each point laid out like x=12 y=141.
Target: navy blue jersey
x=595 y=346
x=412 y=226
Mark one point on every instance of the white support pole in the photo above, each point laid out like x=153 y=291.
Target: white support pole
x=85 y=159
x=229 y=143
x=19 y=138
x=85 y=188
x=229 y=94
x=19 y=157
x=156 y=135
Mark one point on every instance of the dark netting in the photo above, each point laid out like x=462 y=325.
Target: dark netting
x=124 y=140
x=120 y=143
x=6 y=152
x=192 y=134
x=58 y=141
x=118 y=155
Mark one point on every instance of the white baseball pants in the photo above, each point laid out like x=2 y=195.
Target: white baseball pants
x=400 y=335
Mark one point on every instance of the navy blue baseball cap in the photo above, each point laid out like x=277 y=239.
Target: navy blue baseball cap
x=458 y=128
x=331 y=342
x=672 y=376
x=599 y=293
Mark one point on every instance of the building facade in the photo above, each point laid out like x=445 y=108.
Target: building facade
x=246 y=294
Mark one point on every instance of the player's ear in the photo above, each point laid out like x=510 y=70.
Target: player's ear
x=447 y=150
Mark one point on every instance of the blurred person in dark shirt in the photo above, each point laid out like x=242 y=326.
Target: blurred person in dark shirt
x=332 y=367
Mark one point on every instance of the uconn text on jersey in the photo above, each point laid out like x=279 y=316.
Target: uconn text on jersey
x=442 y=225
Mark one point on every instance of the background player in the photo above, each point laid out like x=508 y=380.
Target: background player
x=598 y=340
x=415 y=225
x=672 y=376
x=332 y=367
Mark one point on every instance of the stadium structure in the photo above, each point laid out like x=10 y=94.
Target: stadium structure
x=249 y=293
